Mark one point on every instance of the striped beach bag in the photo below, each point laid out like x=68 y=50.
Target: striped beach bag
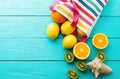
x=82 y=14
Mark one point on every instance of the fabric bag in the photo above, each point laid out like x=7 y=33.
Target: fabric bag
x=82 y=14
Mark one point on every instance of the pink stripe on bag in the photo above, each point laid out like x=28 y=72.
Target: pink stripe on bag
x=76 y=15
x=75 y=10
x=85 y=12
x=84 y=19
x=106 y=1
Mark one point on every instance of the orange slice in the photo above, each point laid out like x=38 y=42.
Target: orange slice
x=81 y=51
x=100 y=41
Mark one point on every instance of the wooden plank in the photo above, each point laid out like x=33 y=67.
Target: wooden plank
x=41 y=7
x=24 y=7
x=111 y=8
x=49 y=70
x=45 y=49
x=35 y=27
x=22 y=27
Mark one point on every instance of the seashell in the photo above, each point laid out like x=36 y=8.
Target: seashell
x=98 y=67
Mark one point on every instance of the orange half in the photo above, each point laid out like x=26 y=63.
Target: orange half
x=81 y=51
x=100 y=41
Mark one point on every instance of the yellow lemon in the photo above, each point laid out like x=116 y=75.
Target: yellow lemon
x=69 y=41
x=52 y=31
x=66 y=28
x=80 y=32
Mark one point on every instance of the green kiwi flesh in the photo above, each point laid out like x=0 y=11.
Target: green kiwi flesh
x=101 y=56
x=81 y=66
x=69 y=57
x=72 y=74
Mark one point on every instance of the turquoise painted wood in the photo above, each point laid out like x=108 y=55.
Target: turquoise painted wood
x=49 y=70
x=45 y=49
x=41 y=7
x=27 y=53
x=35 y=27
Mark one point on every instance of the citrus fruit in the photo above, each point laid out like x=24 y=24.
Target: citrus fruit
x=69 y=41
x=100 y=41
x=69 y=57
x=81 y=51
x=72 y=74
x=67 y=28
x=80 y=32
x=57 y=17
x=52 y=31
x=81 y=66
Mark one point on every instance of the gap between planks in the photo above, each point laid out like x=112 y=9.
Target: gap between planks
x=47 y=60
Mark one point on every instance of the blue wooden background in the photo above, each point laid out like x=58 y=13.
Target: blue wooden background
x=27 y=53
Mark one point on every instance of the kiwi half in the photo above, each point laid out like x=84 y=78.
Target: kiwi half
x=101 y=56
x=81 y=65
x=72 y=74
x=69 y=57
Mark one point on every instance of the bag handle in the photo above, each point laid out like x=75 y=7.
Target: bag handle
x=75 y=16
x=83 y=38
x=75 y=10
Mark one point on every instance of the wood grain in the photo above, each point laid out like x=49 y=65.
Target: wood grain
x=45 y=49
x=49 y=70
x=35 y=27
x=41 y=7
x=27 y=53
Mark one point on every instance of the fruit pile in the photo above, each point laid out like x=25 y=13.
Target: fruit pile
x=72 y=25
x=70 y=40
x=100 y=41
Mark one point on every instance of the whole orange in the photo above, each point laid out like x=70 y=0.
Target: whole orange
x=57 y=17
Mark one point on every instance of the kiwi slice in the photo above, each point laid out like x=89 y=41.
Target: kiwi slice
x=101 y=56
x=69 y=57
x=72 y=74
x=81 y=65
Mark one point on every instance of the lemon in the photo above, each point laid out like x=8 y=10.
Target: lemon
x=67 y=28
x=80 y=32
x=52 y=31
x=69 y=41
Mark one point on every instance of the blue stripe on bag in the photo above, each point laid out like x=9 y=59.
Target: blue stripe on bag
x=84 y=4
x=95 y=5
x=100 y=3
